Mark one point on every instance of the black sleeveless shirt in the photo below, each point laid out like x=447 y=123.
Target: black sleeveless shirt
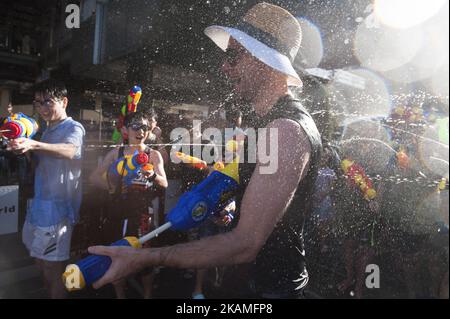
x=279 y=267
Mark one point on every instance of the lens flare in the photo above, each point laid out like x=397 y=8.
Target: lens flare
x=426 y=218
x=366 y=128
x=373 y=154
x=433 y=153
x=311 y=51
x=371 y=101
x=384 y=49
x=406 y=13
x=405 y=53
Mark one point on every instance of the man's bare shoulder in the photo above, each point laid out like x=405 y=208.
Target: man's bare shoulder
x=291 y=135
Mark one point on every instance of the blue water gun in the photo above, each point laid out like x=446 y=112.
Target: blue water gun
x=204 y=200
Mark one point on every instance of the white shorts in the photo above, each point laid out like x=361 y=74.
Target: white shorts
x=50 y=243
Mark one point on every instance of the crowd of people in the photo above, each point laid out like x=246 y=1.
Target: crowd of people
x=366 y=197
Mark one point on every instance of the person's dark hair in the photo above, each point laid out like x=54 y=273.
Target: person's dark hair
x=53 y=88
x=136 y=115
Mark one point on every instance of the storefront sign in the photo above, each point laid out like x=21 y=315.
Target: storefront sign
x=9 y=209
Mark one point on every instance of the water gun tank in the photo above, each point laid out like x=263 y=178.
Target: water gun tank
x=19 y=125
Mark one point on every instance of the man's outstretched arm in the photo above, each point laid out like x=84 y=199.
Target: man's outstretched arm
x=23 y=145
x=69 y=148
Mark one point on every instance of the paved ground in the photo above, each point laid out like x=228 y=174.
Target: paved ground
x=19 y=278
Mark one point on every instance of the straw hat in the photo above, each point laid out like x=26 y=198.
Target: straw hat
x=268 y=32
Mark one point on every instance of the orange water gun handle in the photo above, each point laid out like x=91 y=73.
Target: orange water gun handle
x=191 y=160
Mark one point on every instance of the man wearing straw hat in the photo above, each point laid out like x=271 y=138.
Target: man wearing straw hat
x=259 y=56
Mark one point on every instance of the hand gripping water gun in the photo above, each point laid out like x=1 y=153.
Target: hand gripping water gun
x=131 y=106
x=206 y=198
x=229 y=210
x=359 y=178
x=193 y=208
x=145 y=177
